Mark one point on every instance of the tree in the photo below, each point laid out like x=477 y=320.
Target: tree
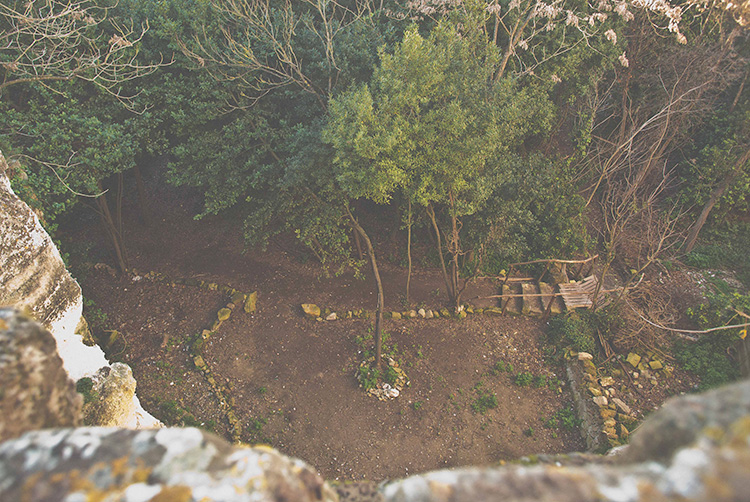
x=56 y=40
x=432 y=125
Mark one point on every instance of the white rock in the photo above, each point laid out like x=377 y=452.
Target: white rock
x=584 y=356
x=422 y=313
x=331 y=317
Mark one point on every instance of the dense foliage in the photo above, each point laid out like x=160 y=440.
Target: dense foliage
x=493 y=129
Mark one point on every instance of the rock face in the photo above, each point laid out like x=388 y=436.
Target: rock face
x=176 y=465
x=33 y=278
x=35 y=390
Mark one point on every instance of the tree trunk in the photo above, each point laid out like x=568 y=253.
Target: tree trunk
x=711 y=202
x=408 y=254
x=438 y=240
x=379 y=285
x=142 y=204
x=110 y=227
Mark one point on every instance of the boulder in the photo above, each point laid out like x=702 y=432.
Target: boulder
x=112 y=404
x=35 y=391
x=157 y=465
x=311 y=310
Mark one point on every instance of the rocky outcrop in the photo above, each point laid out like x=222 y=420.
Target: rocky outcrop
x=33 y=278
x=35 y=391
x=176 y=465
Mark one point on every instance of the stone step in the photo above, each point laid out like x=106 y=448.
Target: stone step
x=532 y=304
x=557 y=303
x=513 y=304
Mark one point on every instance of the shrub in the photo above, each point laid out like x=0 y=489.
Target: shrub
x=573 y=330
x=368 y=377
x=708 y=359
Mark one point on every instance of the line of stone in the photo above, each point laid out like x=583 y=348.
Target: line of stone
x=607 y=419
x=198 y=342
x=313 y=311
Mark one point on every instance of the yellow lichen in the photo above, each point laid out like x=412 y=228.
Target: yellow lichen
x=173 y=494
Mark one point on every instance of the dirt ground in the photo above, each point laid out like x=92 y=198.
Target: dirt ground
x=292 y=379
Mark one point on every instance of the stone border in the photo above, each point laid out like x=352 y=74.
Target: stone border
x=313 y=311
x=248 y=302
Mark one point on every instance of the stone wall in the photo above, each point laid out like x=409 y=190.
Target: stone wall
x=33 y=278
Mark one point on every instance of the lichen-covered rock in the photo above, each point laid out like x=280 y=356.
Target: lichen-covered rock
x=713 y=464
x=35 y=391
x=679 y=422
x=167 y=464
x=114 y=389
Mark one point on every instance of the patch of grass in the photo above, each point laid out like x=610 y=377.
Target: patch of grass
x=390 y=376
x=529 y=432
x=262 y=390
x=417 y=405
x=524 y=379
x=173 y=414
x=368 y=377
x=501 y=367
x=563 y=419
x=540 y=381
x=485 y=401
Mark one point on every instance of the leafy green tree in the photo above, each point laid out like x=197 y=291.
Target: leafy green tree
x=433 y=125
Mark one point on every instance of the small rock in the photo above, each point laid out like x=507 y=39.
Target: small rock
x=610 y=422
x=462 y=314
x=607 y=381
x=624 y=432
x=199 y=362
x=444 y=312
x=584 y=356
x=412 y=314
x=595 y=392
x=621 y=405
x=422 y=313
x=238 y=298
x=636 y=374
x=311 y=310
x=633 y=359
x=606 y=413
x=600 y=401
x=429 y=314
x=251 y=304
x=655 y=365
x=395 y=315
x=223 y=314
x=331 y=317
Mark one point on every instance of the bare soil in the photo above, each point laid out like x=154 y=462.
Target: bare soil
x=292 y=379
